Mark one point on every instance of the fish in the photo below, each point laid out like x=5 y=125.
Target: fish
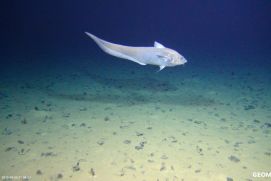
x=158 y=55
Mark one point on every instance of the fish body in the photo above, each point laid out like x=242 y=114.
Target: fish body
x=158 y=55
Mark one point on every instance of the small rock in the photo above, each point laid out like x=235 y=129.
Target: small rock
x=39 y=172
x=127 y=141
x=47 y=154
x=10 y=148
x=163 y=167
x=92 y=172
x=76 y=168
x=106 y=118
x=6 y=132
x=82 y=125
x=197 y=122
x=20 y=142
x=139 y=147
x=130 y=167
x=139 y=134
x=256 y=121
x=24 y=121
x=234 y=158
x=229 y=179
x=9 y=116
x=23 y=151
x=83 y=109
x=59 y=176
x=143 y=143
x=237 y=144
x=249 y=107
x=101 y=142
x=266 y=125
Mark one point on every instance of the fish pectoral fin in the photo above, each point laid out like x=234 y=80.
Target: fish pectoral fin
x=161 y=67
x=165 y=58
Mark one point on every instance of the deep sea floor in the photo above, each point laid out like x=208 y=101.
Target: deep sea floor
x=82 y=122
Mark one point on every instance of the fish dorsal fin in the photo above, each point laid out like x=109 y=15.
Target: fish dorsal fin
x=158 y=45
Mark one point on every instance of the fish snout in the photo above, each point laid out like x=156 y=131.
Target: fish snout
x=182 y=60
x=179 y=61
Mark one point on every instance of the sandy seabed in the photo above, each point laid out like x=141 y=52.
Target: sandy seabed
x=135 y=124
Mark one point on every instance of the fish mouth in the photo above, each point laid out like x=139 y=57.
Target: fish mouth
x=181 y=63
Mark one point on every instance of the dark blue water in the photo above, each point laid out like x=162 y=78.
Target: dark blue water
x=201 y=31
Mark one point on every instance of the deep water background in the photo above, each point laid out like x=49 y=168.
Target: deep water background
x=205 y=32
